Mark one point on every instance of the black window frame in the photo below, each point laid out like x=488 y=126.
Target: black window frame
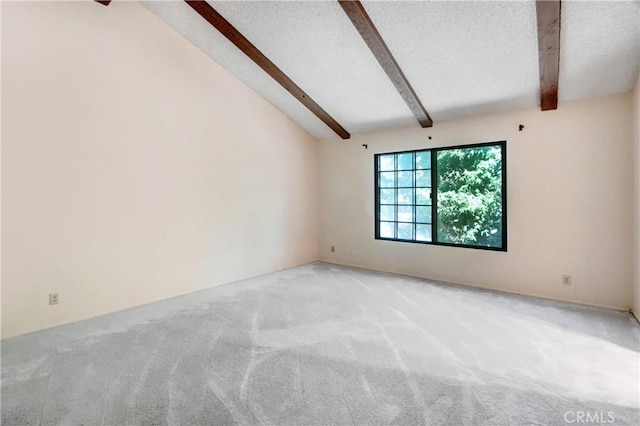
x=434 y=185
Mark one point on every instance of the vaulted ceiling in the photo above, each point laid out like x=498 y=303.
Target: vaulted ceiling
x=460 y=58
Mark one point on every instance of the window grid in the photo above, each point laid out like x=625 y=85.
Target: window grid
x=397 y=205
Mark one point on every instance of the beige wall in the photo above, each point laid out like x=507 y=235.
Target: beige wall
x=636 y=198
x=569 y=205
x=134 y=168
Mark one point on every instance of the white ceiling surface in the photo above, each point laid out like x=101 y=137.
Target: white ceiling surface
x=316 y=45
x=462 y=58
x=599 y=48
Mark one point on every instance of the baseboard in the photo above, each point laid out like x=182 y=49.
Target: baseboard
x=464 y=284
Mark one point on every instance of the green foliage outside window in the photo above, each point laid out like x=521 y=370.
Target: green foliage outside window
x=470 y=196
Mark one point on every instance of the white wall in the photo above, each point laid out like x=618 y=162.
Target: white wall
x=569 y=203
x=636 y=198
x=134 y=168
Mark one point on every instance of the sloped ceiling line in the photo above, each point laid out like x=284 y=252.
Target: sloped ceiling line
x=241 y=42
x=362 y=22
x=548 y=17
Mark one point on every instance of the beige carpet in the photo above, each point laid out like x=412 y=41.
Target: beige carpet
x=322 y=344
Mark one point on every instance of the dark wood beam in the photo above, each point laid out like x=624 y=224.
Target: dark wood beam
x=360 y=19
x=104 y=2
x=234 y=36
x=548 y=12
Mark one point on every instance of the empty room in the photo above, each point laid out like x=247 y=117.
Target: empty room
x=320 y=212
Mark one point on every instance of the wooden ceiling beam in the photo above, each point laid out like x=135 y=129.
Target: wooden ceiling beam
x=361 y=20
x=241 y=42
x=548 y=16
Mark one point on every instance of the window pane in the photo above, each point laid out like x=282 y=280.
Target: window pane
x=386 y=162
x=387 y=229
x=405 y=178
x=405 y=213
x=423 y=232
x=470 y=196
x=387 y=196
x=423 y=214
x=423 y=160
x=405 y=231
x=405 y=196
x=423 y=178
x=386 y=179
x=423 y=196
x=387 y=213
x=405 y=161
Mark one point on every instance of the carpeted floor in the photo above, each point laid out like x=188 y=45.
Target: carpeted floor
x=322 y=344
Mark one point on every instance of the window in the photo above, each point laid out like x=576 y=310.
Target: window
x=453 y=196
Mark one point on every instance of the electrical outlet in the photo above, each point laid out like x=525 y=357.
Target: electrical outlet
x=54 y=298
x=333 y=249
x=566 y=279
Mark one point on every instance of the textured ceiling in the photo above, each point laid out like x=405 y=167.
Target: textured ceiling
x=462 y=58
x=599 y=48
